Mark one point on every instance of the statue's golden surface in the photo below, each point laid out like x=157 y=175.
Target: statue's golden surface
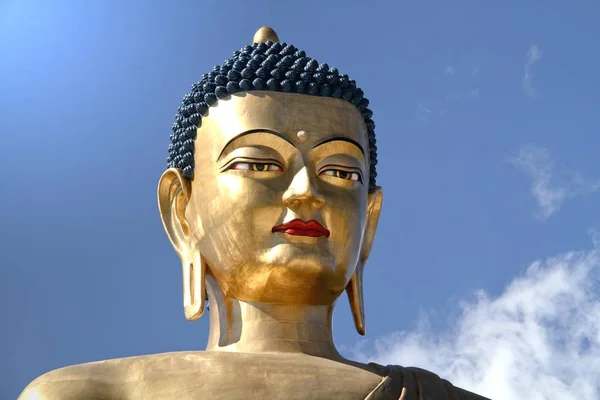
x=277 y=222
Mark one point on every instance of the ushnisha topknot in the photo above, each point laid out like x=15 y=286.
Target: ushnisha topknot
x=268 y=66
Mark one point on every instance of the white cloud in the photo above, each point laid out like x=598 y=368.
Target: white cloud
x=449 y=70
x=549 y=187
x=533 y=55
x=538 y=340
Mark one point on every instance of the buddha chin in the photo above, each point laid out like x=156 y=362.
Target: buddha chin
x=290 y=274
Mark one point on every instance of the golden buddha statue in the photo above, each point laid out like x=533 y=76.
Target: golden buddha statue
x=270 y=201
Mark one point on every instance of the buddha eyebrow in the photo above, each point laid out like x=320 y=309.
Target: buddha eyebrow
x=343 y=139
x=251 y=131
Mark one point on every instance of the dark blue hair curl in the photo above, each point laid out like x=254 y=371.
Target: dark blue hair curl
x=276 y=67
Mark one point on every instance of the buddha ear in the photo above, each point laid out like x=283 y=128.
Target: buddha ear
x=374 y=204
x=174 y=192
x=355 y=286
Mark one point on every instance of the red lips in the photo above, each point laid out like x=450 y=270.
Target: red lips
x=300 y=228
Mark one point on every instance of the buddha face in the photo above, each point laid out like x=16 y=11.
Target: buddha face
x=279 y=201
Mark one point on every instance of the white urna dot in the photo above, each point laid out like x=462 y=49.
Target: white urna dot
x=302 y=135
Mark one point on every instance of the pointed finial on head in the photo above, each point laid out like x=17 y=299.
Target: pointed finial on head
x=265 y=34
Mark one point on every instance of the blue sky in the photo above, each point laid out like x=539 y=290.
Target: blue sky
x=486 y=259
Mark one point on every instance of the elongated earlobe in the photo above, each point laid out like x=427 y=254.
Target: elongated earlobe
x=354 y=289
x=194 y=287
x=355 y=296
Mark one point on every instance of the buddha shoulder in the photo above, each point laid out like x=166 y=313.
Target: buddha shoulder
x=100 y=379
x=121 y=378
x=73 y=382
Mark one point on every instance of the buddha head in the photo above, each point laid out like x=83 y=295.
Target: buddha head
x=270 y=189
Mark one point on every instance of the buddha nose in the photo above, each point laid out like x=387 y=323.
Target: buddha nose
x=302 y=192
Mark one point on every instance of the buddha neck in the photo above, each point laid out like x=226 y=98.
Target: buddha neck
x=240 y=326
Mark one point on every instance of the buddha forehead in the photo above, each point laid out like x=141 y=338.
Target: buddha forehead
x=303 y=120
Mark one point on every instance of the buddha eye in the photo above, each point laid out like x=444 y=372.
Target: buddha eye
x=342 y=174
x=255 y=166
